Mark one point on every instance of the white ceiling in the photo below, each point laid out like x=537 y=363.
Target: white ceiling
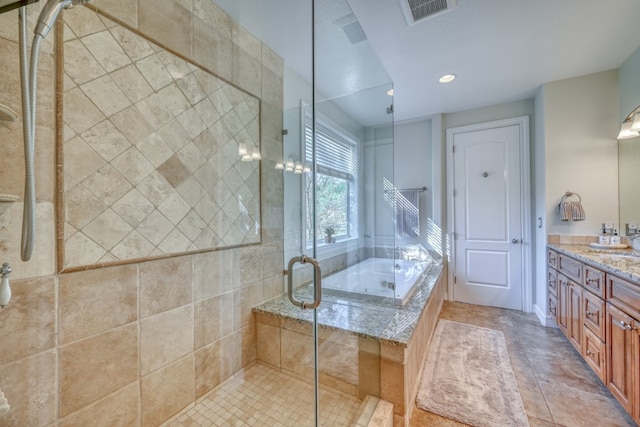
x=501 y=50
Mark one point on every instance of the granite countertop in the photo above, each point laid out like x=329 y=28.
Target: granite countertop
x=608 y=260
x=378 y=320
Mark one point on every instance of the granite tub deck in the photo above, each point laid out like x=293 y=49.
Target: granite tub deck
x=365 y=347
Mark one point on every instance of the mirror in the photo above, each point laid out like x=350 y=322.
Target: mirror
x=628 y=179
x=153 y=149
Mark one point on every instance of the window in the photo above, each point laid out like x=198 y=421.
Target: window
x=336 y=182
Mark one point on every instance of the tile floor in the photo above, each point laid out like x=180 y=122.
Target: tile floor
x=557 y=386
x=262 y=396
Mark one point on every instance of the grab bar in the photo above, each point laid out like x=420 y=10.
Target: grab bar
x=317 y=279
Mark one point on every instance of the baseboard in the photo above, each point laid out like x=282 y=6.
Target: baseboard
x=544 y=318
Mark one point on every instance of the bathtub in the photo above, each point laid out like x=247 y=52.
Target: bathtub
x=378 y=277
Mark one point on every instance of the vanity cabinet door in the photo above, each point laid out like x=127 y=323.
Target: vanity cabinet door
x=574 y=312
x=635 y=334
x=593 y=280
x=593 y=309
x=593 y=351
x=570 y=268
x=552 y=258
x=553 y=307
x=563 y=293
x=552 y=281
x=620 y=355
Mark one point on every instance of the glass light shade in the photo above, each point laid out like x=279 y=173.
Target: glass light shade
x=626 y=132
x=246 y=157
x=298 y=168
x=242 y=149
x=279 y=166
x=635 y=125
x=255 y=155
x=307 y=169
x=289 y=165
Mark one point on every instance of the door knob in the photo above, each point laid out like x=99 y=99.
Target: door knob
x=515 y=240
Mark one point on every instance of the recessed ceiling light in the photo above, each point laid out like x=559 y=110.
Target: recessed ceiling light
x=447 y=78
x=390 y=92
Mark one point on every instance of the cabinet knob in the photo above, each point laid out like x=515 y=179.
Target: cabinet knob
x=588 y=313
x=624 y=325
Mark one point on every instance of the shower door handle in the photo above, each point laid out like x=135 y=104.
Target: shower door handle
x=317 y=279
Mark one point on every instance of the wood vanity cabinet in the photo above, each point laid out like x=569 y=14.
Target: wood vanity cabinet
x=600 y=315
x=620 y=356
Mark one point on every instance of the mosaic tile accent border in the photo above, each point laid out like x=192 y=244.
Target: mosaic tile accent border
x=151 y=163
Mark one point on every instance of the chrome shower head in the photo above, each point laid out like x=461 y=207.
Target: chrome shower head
x=50 y=12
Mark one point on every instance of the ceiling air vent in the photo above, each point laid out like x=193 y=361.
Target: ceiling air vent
x=351 y=28
x=418 y=10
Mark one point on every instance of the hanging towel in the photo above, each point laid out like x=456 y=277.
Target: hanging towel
x=571 y=210
x=577 y=211
x=408 y=213
x=565 y=210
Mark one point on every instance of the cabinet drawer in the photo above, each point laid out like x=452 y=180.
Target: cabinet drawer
x=623 y=294
x=594 y=353
x=553 y=306
x=570 y=267
x=552 y=258
x=594 y=315
x=552 y=281
x=593 y=280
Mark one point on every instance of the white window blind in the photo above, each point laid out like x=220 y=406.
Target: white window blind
x=335 y=155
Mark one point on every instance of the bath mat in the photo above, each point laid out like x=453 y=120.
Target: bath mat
x=467 y=377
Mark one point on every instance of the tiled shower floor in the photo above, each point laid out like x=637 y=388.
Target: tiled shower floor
x=262 y=396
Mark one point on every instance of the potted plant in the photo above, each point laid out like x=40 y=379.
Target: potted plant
x=328 y=234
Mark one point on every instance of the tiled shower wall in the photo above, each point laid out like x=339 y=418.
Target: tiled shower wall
x=133 y=344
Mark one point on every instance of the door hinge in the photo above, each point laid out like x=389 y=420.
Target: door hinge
x=453 y=147
x=455 y=280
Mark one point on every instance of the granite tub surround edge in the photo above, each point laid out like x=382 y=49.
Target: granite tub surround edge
x=367 y=319
x=626 y=268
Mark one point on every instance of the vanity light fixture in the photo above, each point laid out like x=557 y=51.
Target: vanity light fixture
x=447 y=78
x=279 y=166
x=255 y=155
x=390 y=92
x=630 y=127
x=242 y=149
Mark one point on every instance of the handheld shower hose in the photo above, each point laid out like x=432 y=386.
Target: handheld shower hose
x=29 y=77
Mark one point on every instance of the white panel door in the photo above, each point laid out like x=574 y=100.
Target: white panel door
x=488 y=217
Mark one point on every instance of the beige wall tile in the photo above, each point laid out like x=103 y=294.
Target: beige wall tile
x=212 y=49
x=297 y=353
x=244 y=299
x=119 y=408
x=392 y=387
x=339 y=361
x=247 y=71
x=31 y=388
x=268 y=344
x=213 y=319
x=214 y=364
x=124 y=10
x=165 y=284
x=244 y=347
x=165 y=392
x=553 y=239
x=165 y=338
x=392 y=352
x=28 y=324
x=166 y=21
x=94 y=301
x=566 y=239
x=214 y=273
x=267 y=319
x=95 y=367
x=368 y=374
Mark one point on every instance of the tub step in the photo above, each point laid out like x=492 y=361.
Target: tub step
x=374 y=412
